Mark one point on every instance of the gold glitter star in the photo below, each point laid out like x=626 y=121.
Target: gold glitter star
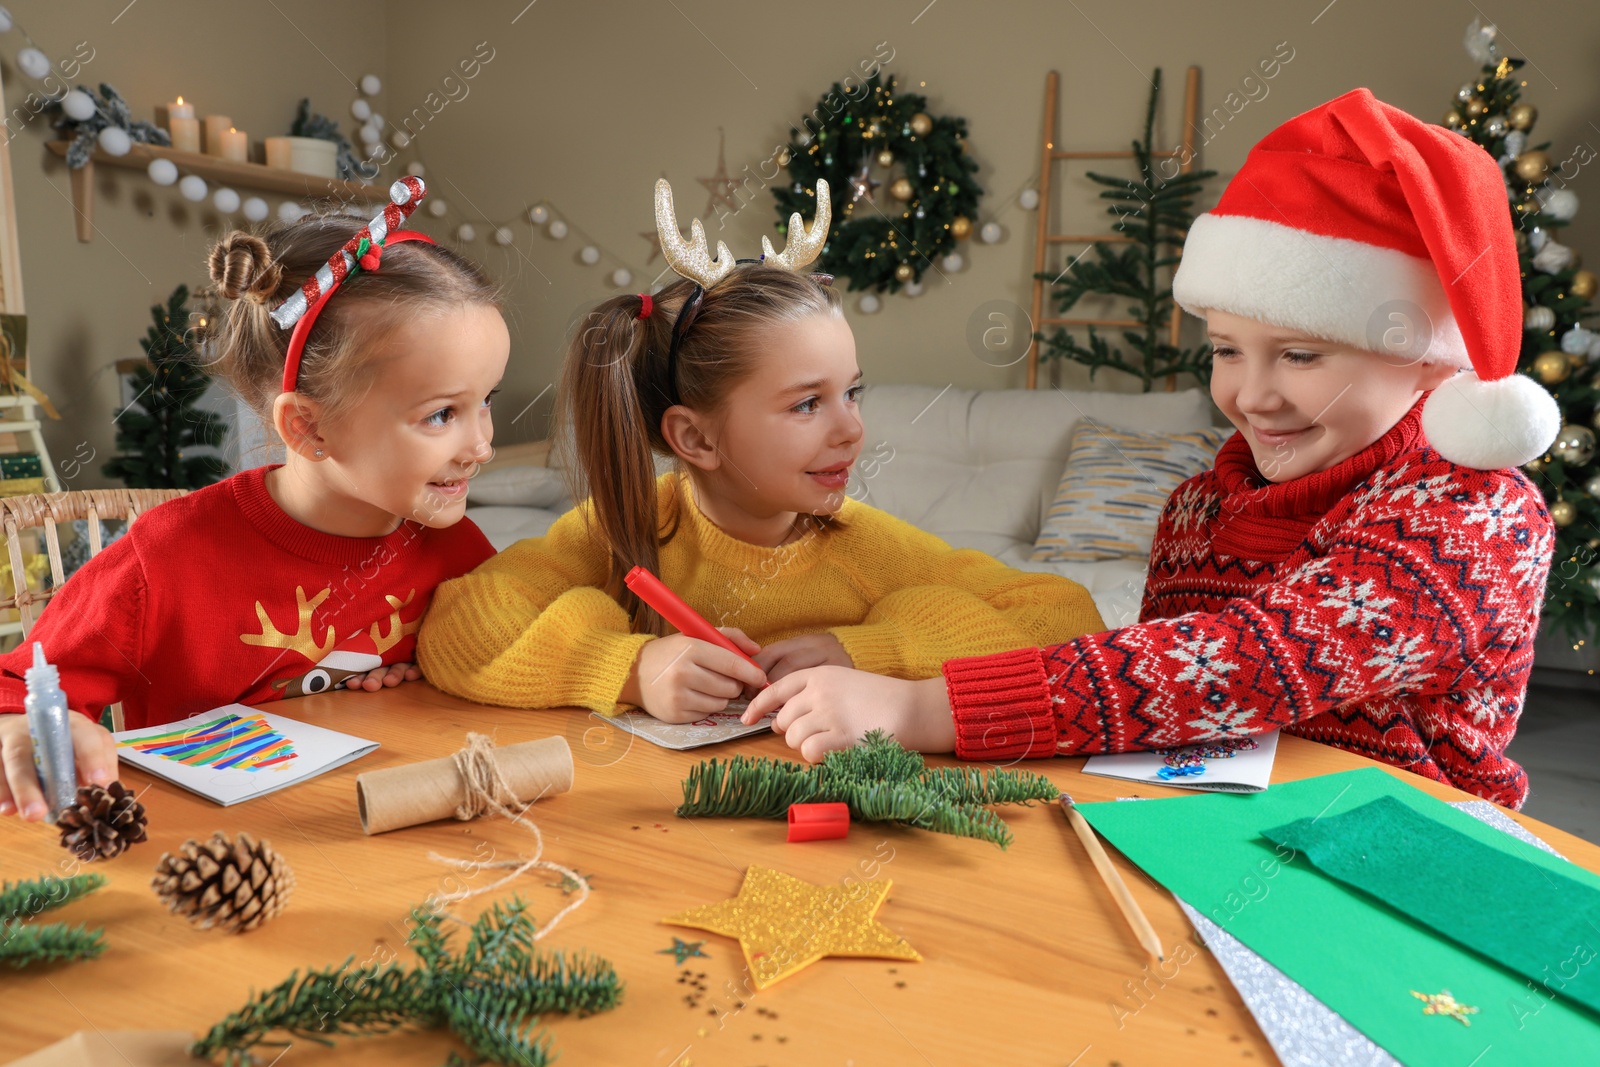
x=719 y=185
x=1442 y=1003
x=784 y=924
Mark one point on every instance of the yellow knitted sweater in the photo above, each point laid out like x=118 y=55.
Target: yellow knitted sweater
x=533 y=627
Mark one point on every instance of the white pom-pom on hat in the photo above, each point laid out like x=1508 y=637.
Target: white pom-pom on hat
x=1489 y=425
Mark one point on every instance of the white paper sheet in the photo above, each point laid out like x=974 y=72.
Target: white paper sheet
x=721 y=726
x=1247 y=771
x=236 y=753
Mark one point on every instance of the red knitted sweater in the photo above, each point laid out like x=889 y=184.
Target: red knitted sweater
x=220 y=597
x=1386 y=606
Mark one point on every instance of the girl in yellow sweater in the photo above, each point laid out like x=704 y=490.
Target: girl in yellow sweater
x=746 y=373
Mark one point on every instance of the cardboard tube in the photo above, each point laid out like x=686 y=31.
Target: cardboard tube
x=397 y=797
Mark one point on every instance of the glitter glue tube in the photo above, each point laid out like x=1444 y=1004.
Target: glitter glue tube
x=50 y=728
x=689 y=622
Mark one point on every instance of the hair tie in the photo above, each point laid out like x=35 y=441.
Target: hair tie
x=647 y=304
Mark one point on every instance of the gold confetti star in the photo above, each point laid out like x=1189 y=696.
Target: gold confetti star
x=1442 y=1003
x=784 y=924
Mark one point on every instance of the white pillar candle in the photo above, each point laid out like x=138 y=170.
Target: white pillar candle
x=216 y=126
x=235 y=145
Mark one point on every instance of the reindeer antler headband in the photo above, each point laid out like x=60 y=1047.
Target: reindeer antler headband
x=695 y=262
x=364 y=251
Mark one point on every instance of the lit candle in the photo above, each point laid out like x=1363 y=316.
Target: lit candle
x=185 y=133
x=235 y=145
x=216 y=126
x=180 y=110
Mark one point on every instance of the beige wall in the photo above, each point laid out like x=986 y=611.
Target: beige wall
x=584 y=105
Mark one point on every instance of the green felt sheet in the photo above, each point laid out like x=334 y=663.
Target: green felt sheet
x=1357 y=955
x=1541 y=924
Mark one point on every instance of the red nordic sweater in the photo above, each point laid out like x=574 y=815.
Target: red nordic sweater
x=1386 y=606
x=220 y=597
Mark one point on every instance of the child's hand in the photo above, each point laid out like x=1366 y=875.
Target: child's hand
x=680 y=679
x=783 y=658
x=825 y=708
x=92 y=745
x=391 y=676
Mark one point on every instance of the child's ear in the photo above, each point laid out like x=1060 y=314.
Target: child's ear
x=296 y=419
x=1433 y=375
x=686 y=434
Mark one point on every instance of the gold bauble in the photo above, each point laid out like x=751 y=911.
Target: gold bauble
x=1476 y=107
x=1552 y=367
x=904 y=272
x=961 y=228
x=1452 y=119
x=1583 y=284
x=1522 y=116
x=1595 y=422
x=1593 y=488
x=1535 y=466
x=1532 y=167
x=886 y=158
x=901 y=189
x=921 y=124
x=1563 y=513
x=1577 y=360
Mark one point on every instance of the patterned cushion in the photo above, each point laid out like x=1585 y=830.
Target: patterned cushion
x=1114 y=486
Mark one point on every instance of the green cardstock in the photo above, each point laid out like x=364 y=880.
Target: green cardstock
x=1541 y=924
x=1357 y=955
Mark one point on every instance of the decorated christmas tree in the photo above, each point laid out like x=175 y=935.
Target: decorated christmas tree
x=156 y=432
x=1153 y=214
x=1557 y=349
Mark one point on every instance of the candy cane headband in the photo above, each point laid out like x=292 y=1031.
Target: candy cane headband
x=364 y=251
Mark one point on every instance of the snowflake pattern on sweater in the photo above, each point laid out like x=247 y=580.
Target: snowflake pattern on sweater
x=1386 y=606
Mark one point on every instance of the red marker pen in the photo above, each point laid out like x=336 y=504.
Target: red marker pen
x=689 y=622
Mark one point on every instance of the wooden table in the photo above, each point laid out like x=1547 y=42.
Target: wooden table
x=1026 y=960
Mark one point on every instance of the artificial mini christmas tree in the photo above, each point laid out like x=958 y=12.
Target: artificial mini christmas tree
x=1153 y=213
x=1557 y=349
x=155 y=432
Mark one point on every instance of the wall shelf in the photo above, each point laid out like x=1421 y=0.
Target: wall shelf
x=246 y=176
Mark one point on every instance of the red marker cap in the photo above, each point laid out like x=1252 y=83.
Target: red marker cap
x=818 y=822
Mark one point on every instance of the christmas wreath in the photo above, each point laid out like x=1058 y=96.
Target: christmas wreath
x=932 y=198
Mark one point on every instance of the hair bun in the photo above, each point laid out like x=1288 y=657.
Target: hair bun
x=242 y=266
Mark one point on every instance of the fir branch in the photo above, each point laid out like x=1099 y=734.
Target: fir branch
x=878 y=779
x=490 y=996
x=25 y=899
x=23 y=944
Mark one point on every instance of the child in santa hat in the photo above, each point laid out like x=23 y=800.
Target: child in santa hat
x=1364 y=565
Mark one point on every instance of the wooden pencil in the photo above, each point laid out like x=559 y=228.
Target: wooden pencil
x=1108 y=874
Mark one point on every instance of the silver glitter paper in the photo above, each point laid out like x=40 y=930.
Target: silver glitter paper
x=1302 y=1030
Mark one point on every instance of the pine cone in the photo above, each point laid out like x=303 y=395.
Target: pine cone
x=237 y=885
x=102 y=822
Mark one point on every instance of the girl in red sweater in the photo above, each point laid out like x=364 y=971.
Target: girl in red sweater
x=373 y=353
x=1364 y=565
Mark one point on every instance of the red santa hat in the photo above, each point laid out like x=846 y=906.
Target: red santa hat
x=1358 y=223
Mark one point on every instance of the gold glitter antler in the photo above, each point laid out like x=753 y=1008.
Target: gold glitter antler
x=692 y=260
x=803 y=245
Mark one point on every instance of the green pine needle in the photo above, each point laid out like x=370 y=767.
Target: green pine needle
x=490 y=996
x=878 y=779
x=23 y=900
x=23 y=944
